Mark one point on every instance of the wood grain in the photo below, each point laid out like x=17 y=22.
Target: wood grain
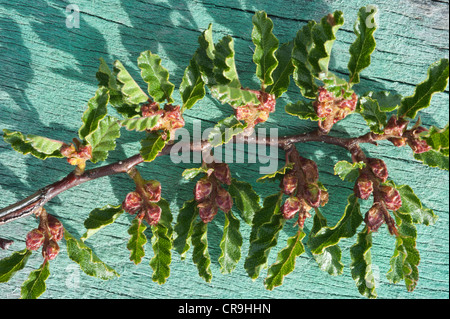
x=47 y=75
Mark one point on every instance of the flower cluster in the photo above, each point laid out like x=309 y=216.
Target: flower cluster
x=401 y=136
x=209 y=193
x=48 y=233
x=302 y=186
x=332 y=109
x=171 y=117
x=77 y=154
x=143 y=202
x=254 y=114
x=386 y=198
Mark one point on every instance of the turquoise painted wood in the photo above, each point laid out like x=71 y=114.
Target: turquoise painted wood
x=47 y=75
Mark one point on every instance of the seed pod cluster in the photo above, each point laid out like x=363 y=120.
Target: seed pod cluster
x=143 y=202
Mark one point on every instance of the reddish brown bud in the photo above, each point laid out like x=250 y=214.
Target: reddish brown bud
x=173 y=116
x=303 y=214
x=375 y=217
x=51 y=250
x=313 y=194
x=323 y=198
x=290 y=182
x=391 y=197
x=349 y=105
x=68 y=150
x=152 y=214
x=224 y=200
x=395 y=126
x=150 y=108
x=203 y=189
x=398 y=141
x=222 y=173
x=310 y=170
x=291 y=206
x=132 y=203
x=207 y=211
x=363 y=187
x=153 y=189
x=55 y=227
x=418 y=146
x=35 y=239
x=378 y=168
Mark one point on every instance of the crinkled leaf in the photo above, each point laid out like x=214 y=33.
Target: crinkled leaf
x=192 y=87
x=345 y=228
x=361 y=266
x=131 y=91
x=276 y=176
x=80 y=253
x=330 y=259
x=364 y=45
x=103 y=139
x=245 y=198
x=337 y=86
x=438 y=139
x=387 y=101
x=266 y=44
x=12 y=264
x=373 y=115
x=433 y=159
x=267 y=224
x=137 y=241
x=405 y=260
x=224 y=131
x=35 y=285
x=303 y=109
x=224 y=65
x=184 y=226
x=435 y=82
x=100 y=218
x=38 y=146
x=324 y=36
x=156 y=76
x=200 y=254
x=303 y=74
x=152 y=145
x=234 y=96
x=96 y=111
x=282 y=74
x=191 y=173
x=205 y=55
x=140 y=124
x=230 y=245
x=285 y=263
x=348 y=171
x=107 y=79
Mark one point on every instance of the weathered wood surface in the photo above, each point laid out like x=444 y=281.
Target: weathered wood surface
x=48 y=74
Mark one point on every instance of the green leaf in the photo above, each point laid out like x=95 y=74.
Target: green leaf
x=364 y=45
x=184 y=226
x=276 y=176
x=347 y=171
x=284 y=70
x=162 y=245
x=245 y=199
x=438 y=139
x=140 y=124
x=361 y=266
x=152 y=145
x=436 y=82
x=103 y=139
x=345 y=228
x=303 y=109
x=387 y=101
x=200 y=254
x=267 y=224
x=224 y=65
x=303 y=73
x=96 y=111
x=230 y=245
x=39 y=147
x=12 y=264
x=336 y=85
x=324 y=36
x=224 y=131
x=191 y=173
x=131 y=91
x=107 y=79
x=265 y=46
x=330 y=259
x=234 y=96
x=100 y=218
x=80 y=253
x=205 y=55
x=405 y=260
x=35 y=285
x=433 y=159
x=156 y=76
x=373 y=115
x=285 y=263
x=192 y=87
x=137 y=241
